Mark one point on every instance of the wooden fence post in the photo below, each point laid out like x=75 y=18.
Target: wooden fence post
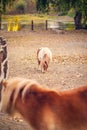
x=46 y=25
x=32 y=25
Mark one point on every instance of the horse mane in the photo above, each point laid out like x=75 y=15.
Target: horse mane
x=12 y=87
x=26 y=85
x=32 y=87
x=8 y=89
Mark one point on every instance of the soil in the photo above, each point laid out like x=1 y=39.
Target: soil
x=68 y=68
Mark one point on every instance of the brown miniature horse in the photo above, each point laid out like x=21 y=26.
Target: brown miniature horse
x=45 y=109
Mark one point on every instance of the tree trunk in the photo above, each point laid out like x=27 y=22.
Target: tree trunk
x=77 y=20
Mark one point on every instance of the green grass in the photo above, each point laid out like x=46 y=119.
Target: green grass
x=69 y=26
x=29 y=17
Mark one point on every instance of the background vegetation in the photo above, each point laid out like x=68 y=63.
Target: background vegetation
x=76 y=9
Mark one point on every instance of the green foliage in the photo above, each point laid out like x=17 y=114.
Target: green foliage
x=3 y=5
x=72 y=6
x=42 y=6
x=20 y=6
x=71 y=12
x=84 y=12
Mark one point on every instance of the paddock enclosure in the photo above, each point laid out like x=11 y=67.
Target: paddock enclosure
x=67 y=70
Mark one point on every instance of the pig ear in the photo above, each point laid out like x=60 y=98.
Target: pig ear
x=4 y=83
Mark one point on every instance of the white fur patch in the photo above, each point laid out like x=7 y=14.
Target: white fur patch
x=43 y=51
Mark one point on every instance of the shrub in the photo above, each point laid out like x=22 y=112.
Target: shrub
x=20 y=6
x=71 y=12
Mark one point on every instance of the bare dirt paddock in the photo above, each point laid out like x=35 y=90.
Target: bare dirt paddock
x=68 y=68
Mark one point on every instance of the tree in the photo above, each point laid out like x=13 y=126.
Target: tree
x=80 y=18
x=20 y=6
x=3 y=5
x=80 y=7
x=42 y=5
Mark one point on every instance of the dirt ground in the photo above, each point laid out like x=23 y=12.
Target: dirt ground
x=69 y=48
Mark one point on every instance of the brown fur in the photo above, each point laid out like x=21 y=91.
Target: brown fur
x=45 y=109
x=37 y=56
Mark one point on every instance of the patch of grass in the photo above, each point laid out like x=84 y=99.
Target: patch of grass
x=69 y=26
x=28 y=17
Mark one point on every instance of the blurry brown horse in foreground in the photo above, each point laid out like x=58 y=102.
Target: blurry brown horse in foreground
x=45 y=109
